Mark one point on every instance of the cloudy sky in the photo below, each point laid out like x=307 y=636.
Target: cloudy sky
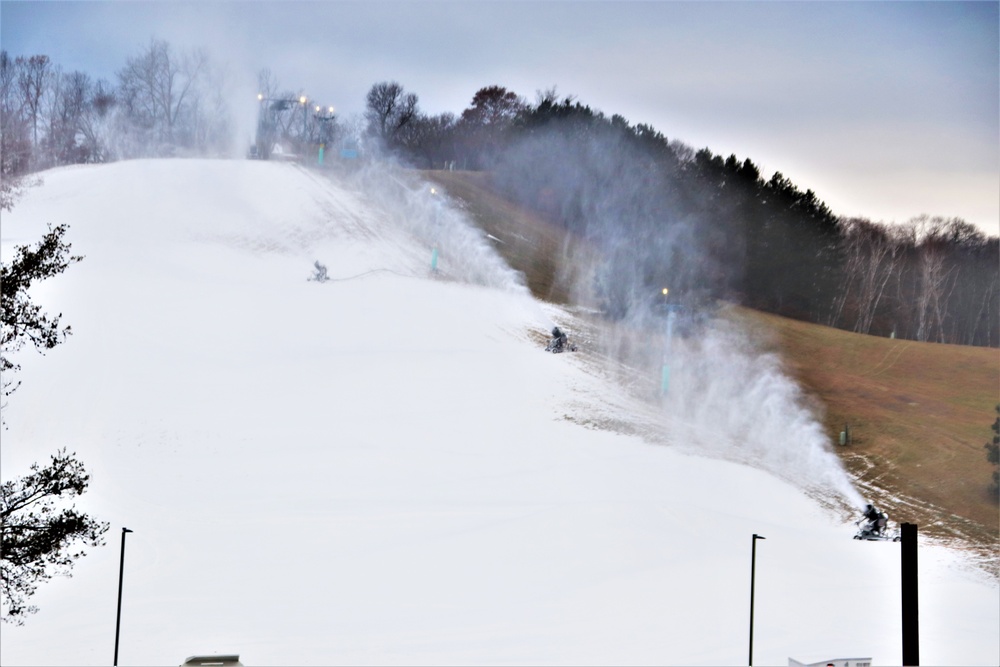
x=884 y=109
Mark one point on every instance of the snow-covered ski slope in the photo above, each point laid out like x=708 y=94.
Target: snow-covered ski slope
x=386 y=468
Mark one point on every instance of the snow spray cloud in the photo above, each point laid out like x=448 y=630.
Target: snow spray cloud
x=452 y=245
x=726 y=397
x=719 y=393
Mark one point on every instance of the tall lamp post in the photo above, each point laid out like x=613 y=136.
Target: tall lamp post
x=305 y=120
x=437 y=211
x=121 y=578
x=324 y=133
x=753 y=568
x=665 y=371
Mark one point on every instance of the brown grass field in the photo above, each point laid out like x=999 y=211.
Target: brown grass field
x=918 y=414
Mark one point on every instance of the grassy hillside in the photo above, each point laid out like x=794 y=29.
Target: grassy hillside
x=918 y=416
x=918 y=413
x=527 y=242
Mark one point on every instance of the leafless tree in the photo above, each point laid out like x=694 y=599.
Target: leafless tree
x=267 y=89
x=33 y=77
x=155 y=87
x=871 y=257
x=209 y=115
x=95 y=124
x=984 y=327
x=69 y=104
x=388 y=110
x=15 y=128
x=430 y=139
x=935 y=275
x=853 y=250
x=976 y=269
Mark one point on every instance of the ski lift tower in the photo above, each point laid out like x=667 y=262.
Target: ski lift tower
x=267 y=113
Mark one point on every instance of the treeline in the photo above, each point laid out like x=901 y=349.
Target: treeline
x=664 y=214
x=161 y=103
x=707 y=226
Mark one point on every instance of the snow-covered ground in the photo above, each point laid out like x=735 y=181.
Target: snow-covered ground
x=385 y=468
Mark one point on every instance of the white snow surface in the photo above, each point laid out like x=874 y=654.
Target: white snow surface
x=385 y=468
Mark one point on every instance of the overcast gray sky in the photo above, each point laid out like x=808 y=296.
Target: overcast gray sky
x=884 y=109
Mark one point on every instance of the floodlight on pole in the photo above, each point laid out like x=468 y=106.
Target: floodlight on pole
x=325 y=134
x=305 y=115
x=437 y=212
x=665 y=371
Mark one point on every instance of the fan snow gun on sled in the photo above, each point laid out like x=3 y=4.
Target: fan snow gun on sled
x=559 y=342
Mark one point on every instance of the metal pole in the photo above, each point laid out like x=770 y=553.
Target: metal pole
x=753 y=567
x=121 y=578
x=665 y=372
x=908 y=570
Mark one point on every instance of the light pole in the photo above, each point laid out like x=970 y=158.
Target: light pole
x=753 y=567
x=437 y=210
x=121 y=578
x=305 y=121
x=263 y=138
x=324 y=133
x=665 y=372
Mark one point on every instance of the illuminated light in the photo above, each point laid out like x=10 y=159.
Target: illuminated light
x=665 y=290
x=260 y=97
x=302 y=100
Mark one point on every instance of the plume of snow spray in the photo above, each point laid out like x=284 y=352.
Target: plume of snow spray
x=730 y=399
x=720 y=394
x=424 y=211
x=725 y=397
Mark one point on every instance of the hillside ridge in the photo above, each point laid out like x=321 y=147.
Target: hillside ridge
x=916 y=414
